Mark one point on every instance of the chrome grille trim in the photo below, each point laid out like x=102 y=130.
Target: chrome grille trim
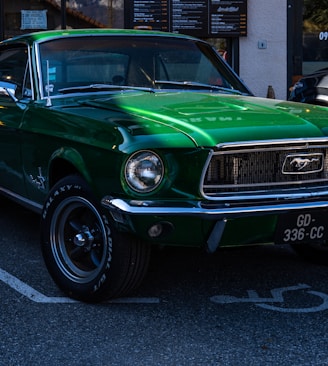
x=254 y=170
x=272 y=143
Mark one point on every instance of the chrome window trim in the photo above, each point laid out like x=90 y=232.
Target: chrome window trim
x=29 y=60
x=38 y=70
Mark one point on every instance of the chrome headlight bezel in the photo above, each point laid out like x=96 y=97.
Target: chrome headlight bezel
x=144 y=171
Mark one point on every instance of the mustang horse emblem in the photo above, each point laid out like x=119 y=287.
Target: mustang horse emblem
x=301 y=163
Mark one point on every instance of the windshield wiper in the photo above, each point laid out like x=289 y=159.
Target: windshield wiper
x=101 y=87
x=182 y=84
x=197 y=85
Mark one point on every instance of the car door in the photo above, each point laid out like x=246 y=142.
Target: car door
x=14 y=99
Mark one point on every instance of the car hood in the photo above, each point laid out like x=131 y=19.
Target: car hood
x=210 y=118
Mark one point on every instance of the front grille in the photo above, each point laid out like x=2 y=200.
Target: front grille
x=266 y=168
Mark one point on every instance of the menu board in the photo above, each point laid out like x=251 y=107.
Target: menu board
x=203 y=18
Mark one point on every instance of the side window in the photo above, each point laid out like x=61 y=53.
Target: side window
x=14 y=69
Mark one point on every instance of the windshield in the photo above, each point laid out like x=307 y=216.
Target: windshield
x=69 y=64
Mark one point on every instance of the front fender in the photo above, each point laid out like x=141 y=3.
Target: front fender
x=65 y=161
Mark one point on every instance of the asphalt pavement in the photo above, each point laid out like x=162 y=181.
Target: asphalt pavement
x=247 y=306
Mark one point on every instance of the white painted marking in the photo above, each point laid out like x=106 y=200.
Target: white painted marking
x=38 y=297
x=254 y=297
x=277 y=297
x=135 y=300
x=29 y=291
x=323 y=306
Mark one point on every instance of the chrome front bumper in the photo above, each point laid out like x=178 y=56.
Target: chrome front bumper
x=122 y=211
x=119 y=206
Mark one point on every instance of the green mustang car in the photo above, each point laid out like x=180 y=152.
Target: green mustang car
x=125 y=139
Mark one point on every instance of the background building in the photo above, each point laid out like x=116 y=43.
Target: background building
x=263 y=53
x=266 y=42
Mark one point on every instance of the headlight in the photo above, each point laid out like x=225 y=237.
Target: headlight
x=144 y=171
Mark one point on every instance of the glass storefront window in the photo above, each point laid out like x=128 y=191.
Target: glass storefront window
x=221 y=45
x=315 y=35
x=24 y=16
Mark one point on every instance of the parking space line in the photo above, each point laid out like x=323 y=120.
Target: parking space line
x=29 y=291
x=38 y=297
x=135 y=300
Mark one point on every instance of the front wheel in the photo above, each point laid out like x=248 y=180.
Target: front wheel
x=84 y=253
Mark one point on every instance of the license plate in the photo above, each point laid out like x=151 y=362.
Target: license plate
x=305 y=227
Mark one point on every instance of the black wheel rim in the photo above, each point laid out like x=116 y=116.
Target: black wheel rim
x=78 y=239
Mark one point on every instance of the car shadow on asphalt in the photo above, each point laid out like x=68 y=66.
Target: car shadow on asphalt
x=192 y=272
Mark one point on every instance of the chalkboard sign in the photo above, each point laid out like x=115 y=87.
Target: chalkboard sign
x=206 y=19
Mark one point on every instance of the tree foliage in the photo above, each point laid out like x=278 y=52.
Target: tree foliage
x=316 y=15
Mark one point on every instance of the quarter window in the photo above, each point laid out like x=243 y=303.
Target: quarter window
x=14 y=70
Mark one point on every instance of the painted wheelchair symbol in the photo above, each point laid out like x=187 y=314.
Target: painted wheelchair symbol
x=277 y=297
